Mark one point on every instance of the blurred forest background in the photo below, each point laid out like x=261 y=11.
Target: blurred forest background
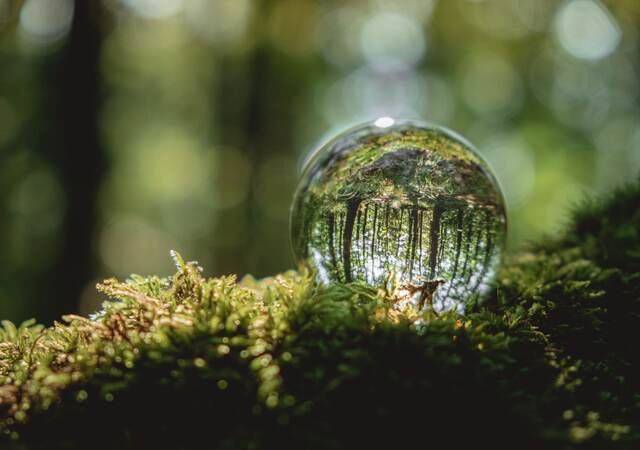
x=131 y=127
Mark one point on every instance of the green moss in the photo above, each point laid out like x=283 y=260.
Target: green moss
x=547 y=362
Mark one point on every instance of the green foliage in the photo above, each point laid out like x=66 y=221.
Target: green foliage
x=547 y=362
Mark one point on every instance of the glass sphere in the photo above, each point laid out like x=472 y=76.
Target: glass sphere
x=404 y=205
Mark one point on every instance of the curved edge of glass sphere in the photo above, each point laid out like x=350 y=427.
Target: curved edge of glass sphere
x=401 y=203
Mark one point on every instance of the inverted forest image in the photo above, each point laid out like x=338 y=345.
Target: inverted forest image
x=407 y=204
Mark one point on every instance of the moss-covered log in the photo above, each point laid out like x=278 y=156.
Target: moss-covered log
x=548 y=361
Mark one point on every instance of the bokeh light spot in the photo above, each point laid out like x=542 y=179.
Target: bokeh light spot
x=335 y=39
x=490 y=84
x=586 y=30
x=222 y=22
x=155 y=9
x=392 y=41
x=46 y=21
x=169 y=164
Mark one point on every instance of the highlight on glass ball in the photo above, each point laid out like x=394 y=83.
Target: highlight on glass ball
x=404 y=205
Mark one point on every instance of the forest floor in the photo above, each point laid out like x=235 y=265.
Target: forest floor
x=546 y=362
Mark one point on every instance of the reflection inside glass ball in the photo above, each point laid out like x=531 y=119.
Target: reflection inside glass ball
x=404 y=205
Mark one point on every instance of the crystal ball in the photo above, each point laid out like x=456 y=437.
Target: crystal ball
x=404 y=205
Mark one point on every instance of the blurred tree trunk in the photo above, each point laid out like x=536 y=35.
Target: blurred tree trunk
x=71 y=143
x=242 y=98
x=256 y=124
